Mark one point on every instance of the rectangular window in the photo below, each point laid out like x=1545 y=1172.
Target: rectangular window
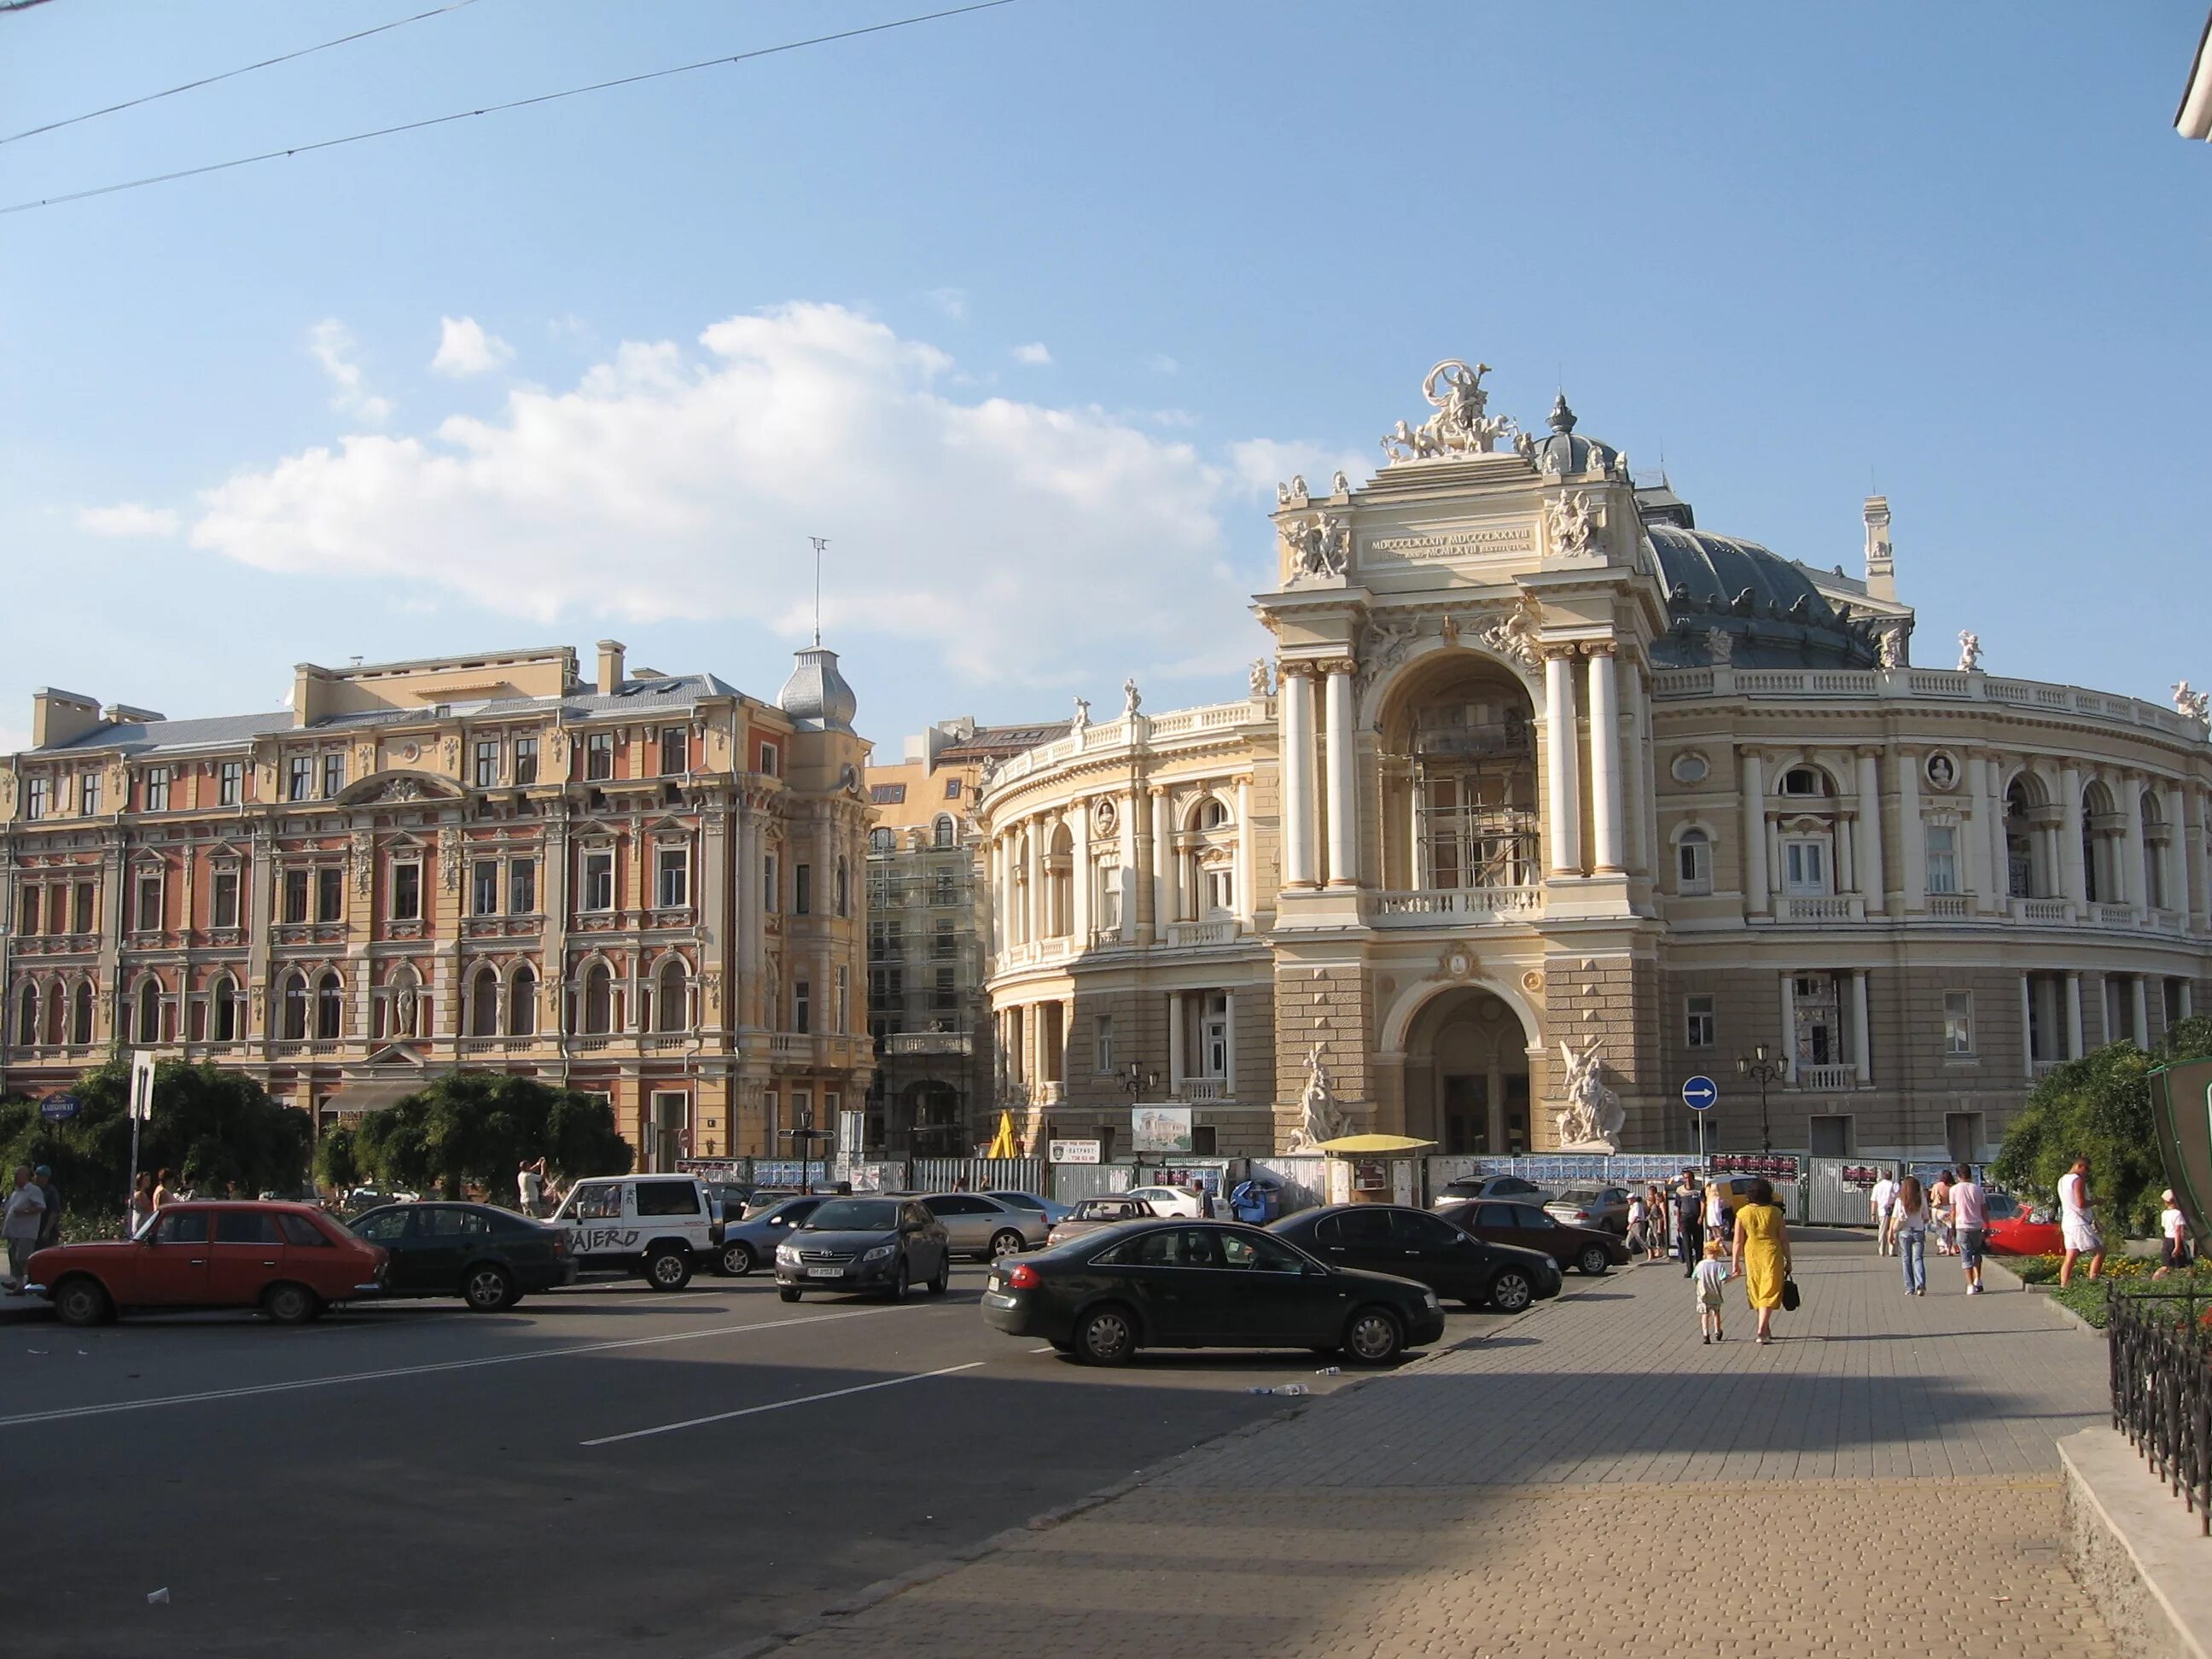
x=30 y=911
x=37 y=797
x=599 y=887
x=1694 y=862
x=91 y=794
x=945 y=998
x=1958 y=1022
x=407 y=892
x=952 y=789
x=300 y=778
x=525 y=759
x=82 y=921
x=1110 y=898
x=941 y=891
x=1102 y=1043
x=229 y=783
x=1697 y=1030
x=671 y=877
x=771 y=894
x=674 y=751
x=149 y=917
x=1805 y=866
x=1942 y=858
x=887 y=794
x=483 y=888
x=768 y=759
x=844 y=999
x=522 y=887
x=802 y=1007
x=599 y=756
x=157 y=789
x=330 y=894
x=333 y=776
x=943 y=941
x=802 y=889
x=222 y=906
x=487 y=772
x=295 y=896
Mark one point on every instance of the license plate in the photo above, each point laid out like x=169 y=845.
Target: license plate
x=825 y=1273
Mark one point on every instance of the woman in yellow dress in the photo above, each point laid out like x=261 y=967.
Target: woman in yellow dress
x=1762 y=1254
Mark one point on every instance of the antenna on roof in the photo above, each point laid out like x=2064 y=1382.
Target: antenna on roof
x=821 y=543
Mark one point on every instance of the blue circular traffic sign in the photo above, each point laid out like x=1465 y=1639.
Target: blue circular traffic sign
x=1700 y=1094
x=59 y=1108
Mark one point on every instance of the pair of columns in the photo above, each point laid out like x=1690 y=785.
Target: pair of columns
x=1563 y=761
x=1296 y=717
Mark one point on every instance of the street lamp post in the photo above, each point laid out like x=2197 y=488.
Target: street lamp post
x=1757 y=1067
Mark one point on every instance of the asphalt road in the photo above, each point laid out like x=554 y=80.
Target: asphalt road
x=609 y=1469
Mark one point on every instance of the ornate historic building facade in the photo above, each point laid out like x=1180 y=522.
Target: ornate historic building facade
x=644 y=885
x=1541 y=772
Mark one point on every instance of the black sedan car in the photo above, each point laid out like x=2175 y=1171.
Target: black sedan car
x=1586 y=1249
x=488 y=1257
x=1389 y=1238
x=1180 y=1284
x=882 y=1245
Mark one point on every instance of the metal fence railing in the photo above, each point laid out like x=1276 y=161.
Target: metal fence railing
x=2161 y=1376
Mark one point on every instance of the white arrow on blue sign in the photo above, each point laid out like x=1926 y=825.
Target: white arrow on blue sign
x=1699 y=1093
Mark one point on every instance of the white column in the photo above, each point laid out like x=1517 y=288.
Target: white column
x=1790 y=1026
x=1343 y=778
x=2133 y=889
x=1229 y=1044
x=2189 y=827
x=1912 y=838
x=1608 y=852
x=1644 y=843
x=2074 y=1044
x=2186 y=988
x=1294 y=705
x=1247 y=876
x=2000 y=893
x=1862 y=1036
x=1174 y=1045
x=2026 y=1026
x=2175 y=865
x=1868 y=853
x=1415 y=876
x=2139 y=1011
x=1163 y=865
x=1972 y=840
x=1847 y=864
x=1036 y=908
x=1755 y=900
x=1078 y=878
x=2073 y=882
x=1562 y=763
x=1128 y=874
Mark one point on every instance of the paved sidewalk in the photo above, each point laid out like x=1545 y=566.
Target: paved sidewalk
x=1886 y=1470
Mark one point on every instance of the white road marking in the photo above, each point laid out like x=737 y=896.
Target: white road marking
x=780 y=1405
x=70 y=1413
x=1046 y=1349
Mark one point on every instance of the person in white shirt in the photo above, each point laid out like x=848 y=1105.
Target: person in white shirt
x=1969 y=1216
x=2077 y=1226
x=20 y=1222
x=1883 y=1196
x=2172 y=1237
x=1710 y=1274
x=529 y=1185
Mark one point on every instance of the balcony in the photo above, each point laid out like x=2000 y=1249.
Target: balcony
x=796 y=1046
x=1222 y=932
x=1819 y=906
x=1198 y=1090
x=1827 y=1079
x=1456 y=906
x=2042 y=910
x=1107 y=938
x=930 y=1043
x=1947 y=906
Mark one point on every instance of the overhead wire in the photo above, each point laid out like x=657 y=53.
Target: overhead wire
x=248 y=68
x=497 y=109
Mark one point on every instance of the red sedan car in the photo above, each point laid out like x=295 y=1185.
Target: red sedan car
x=2018 y=1228
x=290 y=1261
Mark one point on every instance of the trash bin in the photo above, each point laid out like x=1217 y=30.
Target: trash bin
x=1256 y=1201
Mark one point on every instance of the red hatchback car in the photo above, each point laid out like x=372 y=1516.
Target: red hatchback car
x=288 y=1259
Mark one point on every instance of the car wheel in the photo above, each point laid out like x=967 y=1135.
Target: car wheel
x=80 y=1300
x=1511 y=1292
x=1594 y=1260
x=488 y=1287
x=737 y=1259
x=1372 y=1336
x=1006 y=1242
x=1106 y=1336
x=668 y=1268
x=288 y=1304
x=943 y=1280
x=900 y=1284
x=788 y=1294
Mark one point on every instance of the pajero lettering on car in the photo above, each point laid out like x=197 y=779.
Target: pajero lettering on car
x=658 y=1227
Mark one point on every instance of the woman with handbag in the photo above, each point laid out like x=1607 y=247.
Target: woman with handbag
x=1762 y=1256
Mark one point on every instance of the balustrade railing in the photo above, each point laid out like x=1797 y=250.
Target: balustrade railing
x=1202 y=932
x=1426 y=907
x=1827 y=1077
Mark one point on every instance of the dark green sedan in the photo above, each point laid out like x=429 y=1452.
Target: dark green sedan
x=1179 y=1284
x=487 y=1256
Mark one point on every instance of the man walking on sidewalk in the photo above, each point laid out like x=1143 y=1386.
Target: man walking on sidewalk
x=1883 y=1196
x=20 y=1222
x=1689 y=1223
x=2077 y=1226
x=1969 y=1216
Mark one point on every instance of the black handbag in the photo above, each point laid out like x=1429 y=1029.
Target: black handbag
x=1790 y=1297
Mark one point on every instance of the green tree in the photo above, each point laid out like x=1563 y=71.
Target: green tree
x=2097 y=1107
x=479 y=1127
x=336 y=1164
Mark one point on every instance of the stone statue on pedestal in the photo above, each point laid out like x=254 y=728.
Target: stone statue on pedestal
x=1591 y=1119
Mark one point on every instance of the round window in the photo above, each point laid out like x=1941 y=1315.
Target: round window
x=1690 y=767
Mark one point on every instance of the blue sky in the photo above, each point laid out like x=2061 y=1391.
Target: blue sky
x=1026 y=311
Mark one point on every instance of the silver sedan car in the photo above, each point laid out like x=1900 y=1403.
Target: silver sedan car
x=984 y=1227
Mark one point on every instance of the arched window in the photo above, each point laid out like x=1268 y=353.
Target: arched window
x=598 y=1000
x=1694 y=862
x=225 y=1023
x=944 y=829
x=56 y=1015
x=295 y=1006
x=1804 y=780
x=1212 y=814
x=880 y=840
x=671 y=999
x=522 y=1002
x=81 y=1014
x=149 y=1012
x=484 y=1003
x=26 y=1016
x=330 y=1006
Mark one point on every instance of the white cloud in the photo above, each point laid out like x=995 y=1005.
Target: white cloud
x=1033 y=353
x=1160 y=363
x=332 y=345
x=952 y=301
x=671 y=483
x=464 y=349
x=1262 y=463
x=127 y=519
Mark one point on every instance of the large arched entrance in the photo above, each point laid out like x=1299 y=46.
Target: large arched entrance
x=1466 y=1074
x=1459 y=777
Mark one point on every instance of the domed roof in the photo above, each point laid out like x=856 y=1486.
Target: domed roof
x=1767 y=607
x=816 y=696
x=1564 y=453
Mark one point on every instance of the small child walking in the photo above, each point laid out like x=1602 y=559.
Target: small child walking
x=1711 y=1273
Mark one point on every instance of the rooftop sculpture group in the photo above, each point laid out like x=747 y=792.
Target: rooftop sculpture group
x=1462 y=424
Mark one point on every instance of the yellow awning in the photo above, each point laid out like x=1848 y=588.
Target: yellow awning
x=1373 y=1146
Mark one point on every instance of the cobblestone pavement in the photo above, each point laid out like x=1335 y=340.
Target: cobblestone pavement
x=1886 y=1470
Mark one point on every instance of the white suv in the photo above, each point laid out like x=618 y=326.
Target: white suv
x=658 y=1227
